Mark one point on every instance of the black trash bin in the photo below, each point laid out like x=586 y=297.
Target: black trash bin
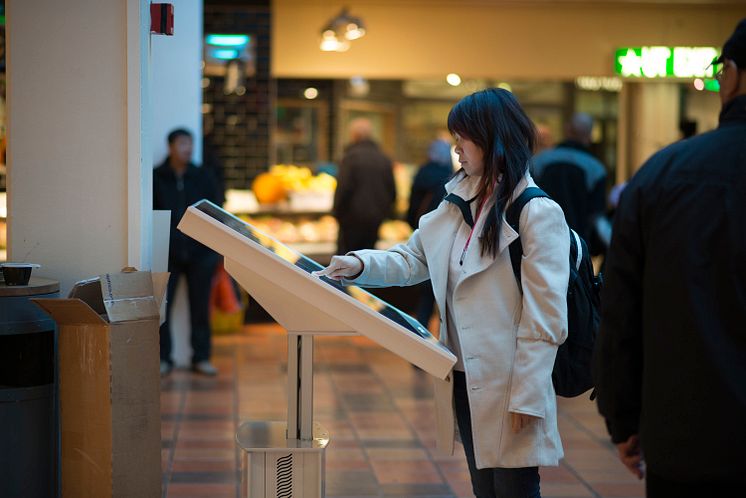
x=29 y=433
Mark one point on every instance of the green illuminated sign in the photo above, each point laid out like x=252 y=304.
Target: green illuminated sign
x=665 y=62
x=712 y=85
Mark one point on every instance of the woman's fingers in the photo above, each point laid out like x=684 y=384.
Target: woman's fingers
x=326 y=272
x=340 y=267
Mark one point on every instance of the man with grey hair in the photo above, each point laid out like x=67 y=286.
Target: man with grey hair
x=574 y=178
x=365 y=190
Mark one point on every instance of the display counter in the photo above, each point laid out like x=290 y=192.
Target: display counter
x=312 y=232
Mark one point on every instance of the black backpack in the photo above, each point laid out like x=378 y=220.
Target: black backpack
x=571 y=375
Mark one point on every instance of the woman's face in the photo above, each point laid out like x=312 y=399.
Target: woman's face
x=470 y=156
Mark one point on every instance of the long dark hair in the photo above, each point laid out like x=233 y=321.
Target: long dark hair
x=495 y=121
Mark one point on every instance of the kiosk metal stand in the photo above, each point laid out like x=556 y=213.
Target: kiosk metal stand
x=287 y=460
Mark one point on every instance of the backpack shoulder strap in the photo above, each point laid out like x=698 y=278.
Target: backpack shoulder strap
x=512 y=216
x=464 y=207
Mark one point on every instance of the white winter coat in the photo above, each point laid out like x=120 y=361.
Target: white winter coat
x=508 y=341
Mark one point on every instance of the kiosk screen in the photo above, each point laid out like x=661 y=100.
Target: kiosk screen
x=308 y=265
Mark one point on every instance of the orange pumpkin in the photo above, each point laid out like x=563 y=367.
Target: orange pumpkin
x=268 y=188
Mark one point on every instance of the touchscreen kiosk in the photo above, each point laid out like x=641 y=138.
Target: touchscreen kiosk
x=282 y=459
x=280 y=279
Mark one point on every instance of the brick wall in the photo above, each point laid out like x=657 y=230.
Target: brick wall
x=240 y=124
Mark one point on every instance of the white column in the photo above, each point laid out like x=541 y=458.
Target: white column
x=177 y=103
x=652 y=119
x=78 y=193
x=177 y=76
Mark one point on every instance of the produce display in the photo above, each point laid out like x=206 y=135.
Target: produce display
x=323 y=229
x=284 y=180
x=286 y=189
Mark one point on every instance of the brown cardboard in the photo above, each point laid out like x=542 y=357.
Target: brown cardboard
x=70 y=311
x=90 y=292
x=128 y=296
x=160 y=285
x=110 y=386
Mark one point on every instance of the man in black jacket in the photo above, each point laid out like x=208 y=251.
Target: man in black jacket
x=177 y=184
x=670 y=362
x=574 y=178
x=365 y=190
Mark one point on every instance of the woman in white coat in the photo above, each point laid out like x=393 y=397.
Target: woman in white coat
x=505 y=337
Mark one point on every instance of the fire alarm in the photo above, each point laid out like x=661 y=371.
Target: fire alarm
x=162 y=19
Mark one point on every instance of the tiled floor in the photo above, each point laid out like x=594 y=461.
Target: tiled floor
x=378 y=410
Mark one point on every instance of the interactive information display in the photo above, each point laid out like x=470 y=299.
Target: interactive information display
x=327 y=295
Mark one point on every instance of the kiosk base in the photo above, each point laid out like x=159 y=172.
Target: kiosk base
x=273 y=466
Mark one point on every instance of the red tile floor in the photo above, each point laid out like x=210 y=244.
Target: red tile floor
x=378 y=410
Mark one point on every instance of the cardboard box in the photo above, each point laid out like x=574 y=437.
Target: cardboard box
x=110 y=385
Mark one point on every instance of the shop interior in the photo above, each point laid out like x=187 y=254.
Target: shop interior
x=269 y=95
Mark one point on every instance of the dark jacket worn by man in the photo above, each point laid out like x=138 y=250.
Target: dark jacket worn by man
x=365 y=195
x=576 y=181
x=671 y=353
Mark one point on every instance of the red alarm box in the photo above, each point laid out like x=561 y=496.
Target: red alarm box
x=162 y=19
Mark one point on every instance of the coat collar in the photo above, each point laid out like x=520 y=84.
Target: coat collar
x=734 y=111
x=507 y=235
x=465 y=188
x=463 y=185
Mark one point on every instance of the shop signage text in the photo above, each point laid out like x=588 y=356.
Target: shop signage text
x=665 y=62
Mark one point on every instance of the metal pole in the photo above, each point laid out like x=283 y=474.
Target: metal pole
x=300 y=386
x=294 y=343
x=306 y=388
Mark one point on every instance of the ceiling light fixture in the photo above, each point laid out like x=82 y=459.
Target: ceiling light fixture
x=340 y=30
x=453 y=79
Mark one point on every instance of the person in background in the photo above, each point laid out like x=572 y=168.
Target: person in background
x=670 y=360
x=505 y=338
x=365 y=191
x=544 y=138
x=575 y=179
x=178 y=183
x=428 y=189
x=688 y=128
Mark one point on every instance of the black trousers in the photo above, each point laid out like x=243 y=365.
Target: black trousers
x=495 y=482
x=198 y=275
x=660 y=487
